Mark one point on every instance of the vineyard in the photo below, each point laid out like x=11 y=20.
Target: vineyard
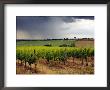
x=30 y=57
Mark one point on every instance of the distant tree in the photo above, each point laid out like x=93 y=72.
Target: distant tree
x=66 y=38
x=48 y=44
x=74 y=37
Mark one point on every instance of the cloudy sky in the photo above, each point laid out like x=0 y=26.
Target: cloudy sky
x=54 y=27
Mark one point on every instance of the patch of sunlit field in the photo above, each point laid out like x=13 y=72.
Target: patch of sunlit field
x=85 y=43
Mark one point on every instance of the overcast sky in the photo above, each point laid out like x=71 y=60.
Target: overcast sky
x=54 y=27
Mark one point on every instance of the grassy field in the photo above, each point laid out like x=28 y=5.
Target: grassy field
x=44 y=42
x=78 y=43
x=73 y=65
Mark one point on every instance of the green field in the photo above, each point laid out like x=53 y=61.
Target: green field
x=44 y=42
x=35 y=57
x=75 y=43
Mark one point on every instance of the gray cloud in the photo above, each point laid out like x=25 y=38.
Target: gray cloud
x=41 y=27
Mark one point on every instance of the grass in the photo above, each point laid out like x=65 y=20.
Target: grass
x=79 y=43
x=44 y=42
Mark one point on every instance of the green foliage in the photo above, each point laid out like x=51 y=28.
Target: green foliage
x=63 y=45
x=49 y=56
x=71 y=44
x=48 y=45
x=32 y=53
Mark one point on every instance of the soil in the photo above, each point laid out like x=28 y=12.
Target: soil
x=55 y=67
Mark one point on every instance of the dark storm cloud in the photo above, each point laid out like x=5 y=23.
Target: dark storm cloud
x=84 y=17
x=46 y=26
x=27 y=21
